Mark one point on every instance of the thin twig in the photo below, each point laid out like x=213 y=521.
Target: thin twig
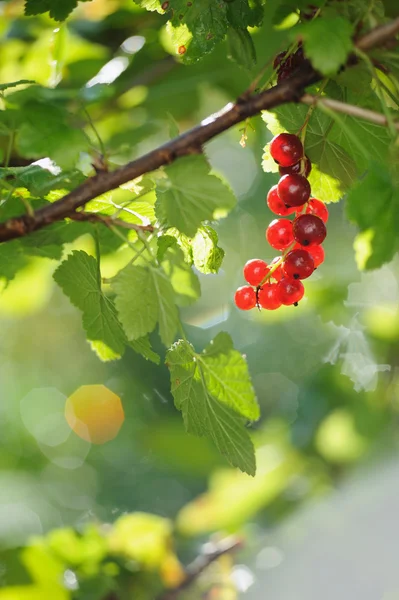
x=201 y=563
x=347 y=109
x=289 y=90
x=109 y=221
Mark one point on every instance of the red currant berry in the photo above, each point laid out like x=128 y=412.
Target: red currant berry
x=318 y=208
x=290 y=290
x=255 y=270
x=268 y=296
x=286 y=149
x=309 y=230
x=294 y=190
x=245 y=298
x=316 y=252
x=277 y=273
x=298 y=264
x=276 y=205
x=279 y=234
x=303 y=167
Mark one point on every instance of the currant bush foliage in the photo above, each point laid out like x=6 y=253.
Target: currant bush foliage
x=45 y=123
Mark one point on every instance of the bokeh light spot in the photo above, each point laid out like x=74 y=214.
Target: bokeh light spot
x=94 y=413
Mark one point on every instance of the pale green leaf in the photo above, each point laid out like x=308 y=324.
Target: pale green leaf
x=190 y=195
x=143 y=346
x=79 y=278
x=184 y=281
x=168 y=316
x=203 y=414
x=208 y=256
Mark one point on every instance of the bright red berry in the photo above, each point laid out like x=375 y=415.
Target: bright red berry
x=318 y=208
x=279 y=234
x=303 y=167
x=298 y=264
x=277 y=273
x=245 y=298
x=255 y=270
x=268 y=296
x=276 y=205
x=286 y=149
x=309 y=230
x=294 y=190
x=316 y=252
x=290 y=290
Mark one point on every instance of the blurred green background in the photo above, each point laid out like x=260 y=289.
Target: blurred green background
x=326 y=372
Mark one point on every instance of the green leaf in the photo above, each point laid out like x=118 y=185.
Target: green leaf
x=79 y=278
x=59 y=9
x=136 y=301
x=197 y=26
x=12 y=259
x=208 y=256
x=241 y=48
x=45 y=132
x=145 y=296
x=327 y=43
x=203 y=414
x=143 y=346
x=190 y=195
x=243 y=13
x=373 y=204
x=227 y=378
x=333 y=169
x=40 y=181
x=180 y=274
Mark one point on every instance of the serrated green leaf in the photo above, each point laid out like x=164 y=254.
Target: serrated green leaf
x=168 y=316
x=40 y=181
x=203 y=414
x=12 y=259
x=59 y=9
x=143 y=346
x=227 y=378
x=184 y=281
x=164 y=242
x=240 y=47
x=373 y=204
x=327 y=43
x=208 y=256
x=244 y=13
x=190 y=195
x=136 y=301
x=197 y=26
x=79 y=278
x=333 y=169
x=143 y=297
x=45 y=132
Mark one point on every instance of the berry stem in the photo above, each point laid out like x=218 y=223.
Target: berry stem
x=276 y=265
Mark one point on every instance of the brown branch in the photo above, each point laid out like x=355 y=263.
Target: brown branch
x=201 y=563
x=290 y=90
x=107 y=220
x=347 y=109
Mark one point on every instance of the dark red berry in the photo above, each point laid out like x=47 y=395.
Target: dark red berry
x=290 y=290
x=279 y=234
x=268 y=296
x=276 y=205
x=298 y=264
x=283 y=73
x=318 y=208
x=303 y=167
x=255 y=270
x=286 y=149
x=294 y=190
x=309 y=230
x=277 y=273
x=245 y=298
x=316 y=252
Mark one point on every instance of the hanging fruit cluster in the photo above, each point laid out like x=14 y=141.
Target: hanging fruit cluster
x=280 y=282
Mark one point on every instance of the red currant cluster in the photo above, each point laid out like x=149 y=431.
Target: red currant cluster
x=280 y=282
